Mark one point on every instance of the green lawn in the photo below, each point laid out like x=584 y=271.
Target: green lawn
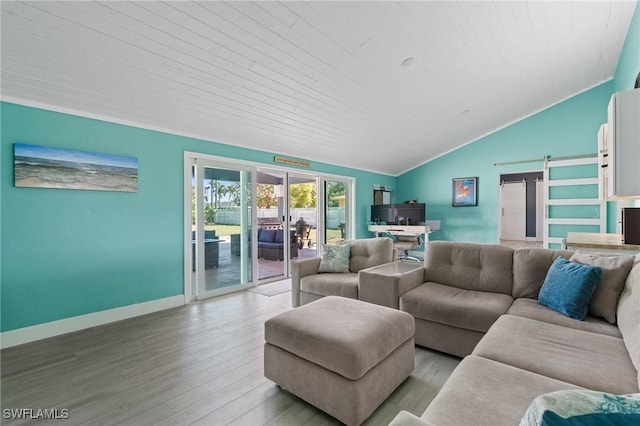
x=223 y=230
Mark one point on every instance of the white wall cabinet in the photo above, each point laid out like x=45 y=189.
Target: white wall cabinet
x=621 y=144
x=603 y=161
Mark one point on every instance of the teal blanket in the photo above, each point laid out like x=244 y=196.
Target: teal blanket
x=584 y=408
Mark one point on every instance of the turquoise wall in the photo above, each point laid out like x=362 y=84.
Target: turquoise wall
x=624 y=79
x=629 y=62
x=65 y=253
x=566 y=129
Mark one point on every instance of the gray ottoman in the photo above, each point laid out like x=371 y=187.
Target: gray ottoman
x=341 y=355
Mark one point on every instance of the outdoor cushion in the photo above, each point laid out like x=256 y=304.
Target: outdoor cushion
x=615 y=269
x=473 y=310
x=279 y=237
x=586 y=359
x=267 y=236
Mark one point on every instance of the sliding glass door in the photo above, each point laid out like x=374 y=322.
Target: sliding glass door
x=221 y=217
x=244 y=223
x=287 y=220
x=271 y=211
x=303 y=214
x=337 y=207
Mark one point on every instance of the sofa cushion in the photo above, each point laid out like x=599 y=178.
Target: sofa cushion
x=590 y=360
x=267 y=235
x=368 y=252
x=345 y=336
x=530 y=308
x=485 y=392
x=279 y=236
x=479 y=267
x=568 y=287
x=629 y=314
x=615 y=269
x=338 y=284
x=472 y=310
x=530 y=267
x=334 y=258
x=405 y=418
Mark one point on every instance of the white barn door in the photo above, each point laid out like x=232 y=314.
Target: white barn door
x=513 y=198
x=571 y=198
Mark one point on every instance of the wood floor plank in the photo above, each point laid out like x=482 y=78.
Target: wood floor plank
x=199 y=364
x=148 y=417
x=232 y=411
x=266 y=411
x=298 y=413
x=194 y=412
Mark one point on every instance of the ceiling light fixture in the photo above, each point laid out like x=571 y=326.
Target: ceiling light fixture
x=407 y=62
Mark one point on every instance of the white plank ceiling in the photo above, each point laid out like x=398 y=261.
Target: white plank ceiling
x=322 y=81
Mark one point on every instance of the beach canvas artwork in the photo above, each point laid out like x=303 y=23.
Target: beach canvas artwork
x=45 y=167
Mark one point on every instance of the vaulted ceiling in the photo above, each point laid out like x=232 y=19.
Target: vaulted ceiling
x=380 y=86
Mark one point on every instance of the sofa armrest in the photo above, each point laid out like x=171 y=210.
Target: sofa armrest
x=384 y=284
x=301 y=268
x=405 y=418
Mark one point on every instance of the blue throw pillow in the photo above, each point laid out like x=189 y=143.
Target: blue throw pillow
x=568 y=287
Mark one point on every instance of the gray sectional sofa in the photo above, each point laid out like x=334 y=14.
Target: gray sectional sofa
x=480 y=302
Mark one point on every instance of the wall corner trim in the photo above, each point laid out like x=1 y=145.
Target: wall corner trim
x=33 y=333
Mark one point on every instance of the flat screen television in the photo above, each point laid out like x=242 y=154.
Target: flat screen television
x=398 y=214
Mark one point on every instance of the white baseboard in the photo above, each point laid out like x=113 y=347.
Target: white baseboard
x=55 y=328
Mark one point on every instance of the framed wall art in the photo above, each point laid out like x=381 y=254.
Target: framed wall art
x=46 y=167
x=465 y=192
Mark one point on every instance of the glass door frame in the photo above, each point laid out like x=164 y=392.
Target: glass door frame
x=350 y=194
x=191 y=158
x=201 y=161
x=291 y=220
x=320 y=180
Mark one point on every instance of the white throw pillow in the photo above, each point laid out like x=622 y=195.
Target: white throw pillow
x=335 y=258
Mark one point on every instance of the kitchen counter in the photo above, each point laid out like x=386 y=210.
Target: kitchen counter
x=599 y=242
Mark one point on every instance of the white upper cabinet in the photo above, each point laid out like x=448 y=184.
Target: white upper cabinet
x=603 y=161
x=621 y=143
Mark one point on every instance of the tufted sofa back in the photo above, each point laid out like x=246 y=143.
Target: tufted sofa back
x=369 y=252
x=530 y=267
x=479 y=267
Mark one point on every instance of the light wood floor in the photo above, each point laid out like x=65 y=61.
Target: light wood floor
x=198 y=364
